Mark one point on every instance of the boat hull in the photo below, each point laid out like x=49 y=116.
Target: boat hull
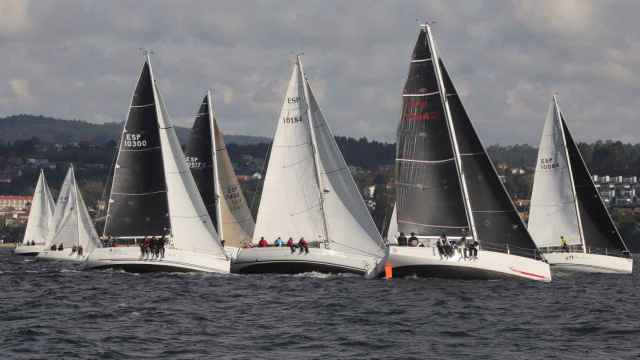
x=175 y=260
x=61 y=255
x=426 y=262
x=280 y=260
x=28 y=250
x=590 y=263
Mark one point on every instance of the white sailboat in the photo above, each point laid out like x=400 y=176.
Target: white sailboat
x=566 y=204
x=309 y=193
x=153 y=194
x=72 y=235
x=212 y=170
x=40 y=213
x=447 y=186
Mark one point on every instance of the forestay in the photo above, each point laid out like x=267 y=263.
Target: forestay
x=553 y=210
x=290 y=201
x=191 y=226
x=40 y=213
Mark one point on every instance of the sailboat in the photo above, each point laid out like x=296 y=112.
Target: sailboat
x=207 y=156
x=40 y=213
x=72 y=235
x=566 y=204
x=446 y=186
x=309 y=193
x=153 y=194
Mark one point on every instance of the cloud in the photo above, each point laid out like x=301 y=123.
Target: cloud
x=14 y=17
x=81 y=60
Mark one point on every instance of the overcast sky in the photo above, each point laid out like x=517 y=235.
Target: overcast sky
x=80 y=60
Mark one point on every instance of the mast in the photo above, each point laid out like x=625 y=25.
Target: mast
x=214 y=160
x=573 y=185
x=435 y=60
x=316 y=161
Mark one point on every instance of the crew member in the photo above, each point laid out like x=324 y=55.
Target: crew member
x=262 y=242
x=402 y=240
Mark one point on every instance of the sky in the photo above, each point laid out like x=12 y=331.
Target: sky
x=81 y=59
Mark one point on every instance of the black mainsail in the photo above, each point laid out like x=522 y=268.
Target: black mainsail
x=446 y=181
x=199 y=156
x=428 y=191
x=138 y=197
x=598 y=228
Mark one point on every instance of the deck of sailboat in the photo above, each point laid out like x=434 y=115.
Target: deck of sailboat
x=61 y=255
x=129 y=258
x=426 y=262
x=280 y=260
x=28 y=250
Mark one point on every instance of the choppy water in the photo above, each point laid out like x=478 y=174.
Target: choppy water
x=56 y=311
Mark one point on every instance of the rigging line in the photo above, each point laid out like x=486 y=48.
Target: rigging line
x=491 y=211
x=471 y=154
x=292 y=146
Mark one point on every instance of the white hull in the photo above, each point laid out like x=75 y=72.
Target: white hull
x=62 y=255
x=174 y=260
x=591 y=263
x=425 y=261
x=281 y=260
x=28 y=250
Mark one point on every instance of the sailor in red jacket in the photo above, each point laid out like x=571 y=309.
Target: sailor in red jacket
x=302 y=243
x=262 y=242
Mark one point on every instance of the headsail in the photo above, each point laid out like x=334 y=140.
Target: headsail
x=40 y=213
x=191 y=226
x=138 y=199
x=350 y=226
x=235 y=215
x=290 y=200
x=65 y=198
x=553 y=210
x=600 y=233
x=392 y=229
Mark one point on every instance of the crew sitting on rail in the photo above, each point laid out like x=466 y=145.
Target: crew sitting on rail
x=439 y=244
x=303 y=245
x=80 y=250
x=474 y=249
x=291 y=245
x=262 y=242
x=73 y=249
x=413 y=240
x=402 y=240
x=278 y=242
x=60 y=247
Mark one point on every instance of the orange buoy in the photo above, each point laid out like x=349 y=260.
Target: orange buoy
x=388 y=270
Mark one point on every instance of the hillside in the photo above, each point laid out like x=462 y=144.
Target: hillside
x=51 y=130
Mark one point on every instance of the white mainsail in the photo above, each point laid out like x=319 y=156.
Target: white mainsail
x=308 y=189
x=553 y=212
x=75 y=227
x=191 y=225
x=290 y=201
x=40 y=213
x=349 y=223
x=235 y=217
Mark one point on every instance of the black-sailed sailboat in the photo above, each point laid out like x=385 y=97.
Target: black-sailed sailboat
x=154 y=198
x=448 y=192
x=211 y=167
x=567 y=218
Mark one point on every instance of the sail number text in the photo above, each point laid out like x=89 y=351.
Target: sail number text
x=134 y=141
x=548 y=163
